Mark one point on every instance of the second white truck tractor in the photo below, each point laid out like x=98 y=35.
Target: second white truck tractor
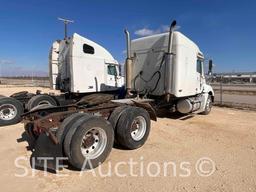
x=81 y=69
x=79 y=65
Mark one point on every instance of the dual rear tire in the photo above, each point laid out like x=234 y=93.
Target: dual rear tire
x=11 y=108
x=38 y=100
x=10 y=111
x=132 y=128
x=87 y=140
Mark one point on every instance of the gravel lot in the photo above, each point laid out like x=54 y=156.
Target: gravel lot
x=226 y=136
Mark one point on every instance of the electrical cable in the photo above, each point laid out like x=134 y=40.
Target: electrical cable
x=146 y=81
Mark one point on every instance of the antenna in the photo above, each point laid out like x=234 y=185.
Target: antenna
x=66 y=22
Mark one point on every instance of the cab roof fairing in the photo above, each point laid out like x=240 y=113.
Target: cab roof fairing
x=100 y=51
x=154 y=38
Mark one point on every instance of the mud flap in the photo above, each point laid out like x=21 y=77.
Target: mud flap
x=47 y=155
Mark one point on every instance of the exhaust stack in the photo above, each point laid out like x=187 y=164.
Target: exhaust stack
x=169 y=64
x=128 y=64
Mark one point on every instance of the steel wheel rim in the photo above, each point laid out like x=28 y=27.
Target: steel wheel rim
x=8 y=112
x=93 y=143
x=139 y=127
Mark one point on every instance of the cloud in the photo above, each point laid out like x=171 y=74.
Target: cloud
x=147 y=32
x=165 y=28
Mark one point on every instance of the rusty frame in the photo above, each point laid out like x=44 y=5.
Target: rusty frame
x=46 y=124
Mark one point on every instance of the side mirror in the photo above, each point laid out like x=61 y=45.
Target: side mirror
x=210 y=65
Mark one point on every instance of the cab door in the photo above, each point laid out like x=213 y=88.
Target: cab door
x=199 y=75
x=111 y=76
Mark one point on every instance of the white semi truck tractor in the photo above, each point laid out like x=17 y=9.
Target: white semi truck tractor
x=81 y=69
x=168 y=68
x=79 y=65
x=162 y=71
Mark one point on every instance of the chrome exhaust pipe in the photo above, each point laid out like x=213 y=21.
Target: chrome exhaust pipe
x=128 y=64
x=169 y=64
x=170 y=36
x=128 y=43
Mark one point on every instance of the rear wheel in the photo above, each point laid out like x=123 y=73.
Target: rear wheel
x=91 y=143
x=133 y=128
x=40 y=100
x=72 y=123
x=10 y=111
x=66 y=125
x=41 y=113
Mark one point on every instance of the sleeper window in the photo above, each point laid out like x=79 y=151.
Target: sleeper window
x=88 y=49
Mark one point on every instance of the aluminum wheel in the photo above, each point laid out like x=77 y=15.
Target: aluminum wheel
x=8 y=112
x=93 y=143
x=139 y=127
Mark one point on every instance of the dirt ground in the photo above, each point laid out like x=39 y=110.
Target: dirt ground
x=227 y=137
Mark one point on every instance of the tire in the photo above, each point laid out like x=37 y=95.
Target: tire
x=43 y=106
x=208 y=106
x=126 y=136
x=19 y=94
x=10 y=111
x=40 y=99
x=115 y=115
x=74 y=123
x=66 y=125
x=91 y=152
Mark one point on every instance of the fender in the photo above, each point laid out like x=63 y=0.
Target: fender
x=208 y=89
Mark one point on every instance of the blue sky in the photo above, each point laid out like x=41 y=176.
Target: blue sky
x=224 y=30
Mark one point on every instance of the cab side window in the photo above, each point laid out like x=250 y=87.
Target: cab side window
x=199 y=66
x=112 y=70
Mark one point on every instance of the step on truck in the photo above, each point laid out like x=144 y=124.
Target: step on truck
x=161 y=71
x=80 y=69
